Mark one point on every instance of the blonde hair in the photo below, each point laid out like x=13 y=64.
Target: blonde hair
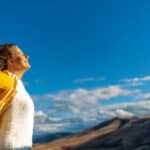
x=5 y=53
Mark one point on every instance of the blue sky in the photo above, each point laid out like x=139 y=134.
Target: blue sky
x=83 y=53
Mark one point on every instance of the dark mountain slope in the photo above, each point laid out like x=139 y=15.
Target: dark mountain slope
x=117 y=134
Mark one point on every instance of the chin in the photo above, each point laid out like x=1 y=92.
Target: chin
x=27 y=67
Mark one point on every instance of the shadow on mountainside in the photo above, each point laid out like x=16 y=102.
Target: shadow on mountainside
x=121 y=133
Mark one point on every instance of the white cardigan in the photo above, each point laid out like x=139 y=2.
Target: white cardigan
x=16 y=124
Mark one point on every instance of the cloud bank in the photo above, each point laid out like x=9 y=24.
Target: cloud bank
x=88 y=117
x=74 y=110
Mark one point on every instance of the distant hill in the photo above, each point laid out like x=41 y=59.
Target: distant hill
x=121 y=133
x=48 y=137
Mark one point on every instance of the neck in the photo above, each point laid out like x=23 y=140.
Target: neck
x=19 y=74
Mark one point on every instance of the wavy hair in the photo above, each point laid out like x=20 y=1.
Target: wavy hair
x=5 y=53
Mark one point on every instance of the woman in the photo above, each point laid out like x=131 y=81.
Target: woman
x=16 y=122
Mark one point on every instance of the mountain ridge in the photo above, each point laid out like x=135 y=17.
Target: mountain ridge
x=119 y=133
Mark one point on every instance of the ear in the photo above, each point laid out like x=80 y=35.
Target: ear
x=9 y=62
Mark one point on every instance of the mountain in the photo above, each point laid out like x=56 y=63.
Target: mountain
x=47 y=137
x=120 y=133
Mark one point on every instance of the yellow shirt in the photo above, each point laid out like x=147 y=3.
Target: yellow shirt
x=8 y=83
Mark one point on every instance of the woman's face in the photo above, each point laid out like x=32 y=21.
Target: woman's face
x=19 y=60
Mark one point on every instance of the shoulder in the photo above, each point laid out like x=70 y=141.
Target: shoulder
x=6 y=80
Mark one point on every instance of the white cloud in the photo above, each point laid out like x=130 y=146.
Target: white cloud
x=137 y=81
x=40 y=113
x=135 y=108
x=121 y=112
x=81 y=95
x=78 y=100
x=146 y=78
x=144 y=96
x=43 y=122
